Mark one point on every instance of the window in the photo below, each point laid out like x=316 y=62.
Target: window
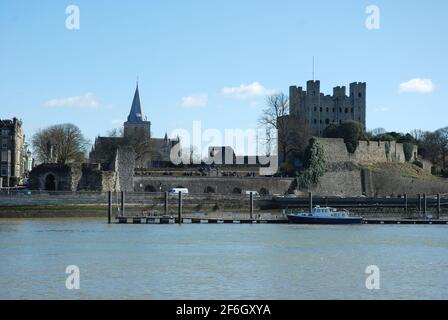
x=346 y=110
x=352 y=110
x=315 y=121
x=333 y=109
x=320 y=121
x=340 y=109
x=320 y=109
x=328 y=109
x=327 y=121
x=315 y=109
x=360 y=94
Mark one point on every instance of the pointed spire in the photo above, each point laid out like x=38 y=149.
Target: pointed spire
x=136 y=114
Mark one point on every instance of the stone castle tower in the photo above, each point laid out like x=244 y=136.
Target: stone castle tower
x=319 y=110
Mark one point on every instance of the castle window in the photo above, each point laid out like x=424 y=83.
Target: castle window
x=327 y=121
x=346 y=110
x=360 y=94
x=333 y=109
x=320 y=109
x=315 y=121
x=328 y=109
x=340 y=109
x=320 y=121
x=352 y=110
x=315 y=109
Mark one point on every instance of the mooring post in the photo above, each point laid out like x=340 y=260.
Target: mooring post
x=419 y=203
x=438 y=206
x=179 y=212
x=165 y=207
x=122 y=204
x=425 y=205
x=109 y=206
x=310 y=202
x=406 y=204
x=251 y=205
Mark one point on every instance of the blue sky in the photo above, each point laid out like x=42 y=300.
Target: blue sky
x=216 y=60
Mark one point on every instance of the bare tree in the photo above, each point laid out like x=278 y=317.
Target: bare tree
x=61 y=144
x=292 y=132
x=140 y=141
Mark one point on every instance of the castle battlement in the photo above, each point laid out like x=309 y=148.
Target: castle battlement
x=319 y=110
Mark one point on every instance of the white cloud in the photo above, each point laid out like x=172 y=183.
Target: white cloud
x=417 y=85
x=194 y=101
x=383 y=109
x=244 y=91
x=85 y=101
x=118 y=122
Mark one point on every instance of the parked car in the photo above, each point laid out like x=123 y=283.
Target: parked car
x=173 y=191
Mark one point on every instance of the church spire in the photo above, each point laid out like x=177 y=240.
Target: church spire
x=136 y=114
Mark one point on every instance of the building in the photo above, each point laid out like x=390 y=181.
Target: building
x=137 y=125
x=12 y=152
x=319 y=110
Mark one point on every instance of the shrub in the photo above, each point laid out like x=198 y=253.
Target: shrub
x=408 y=148
x=418 y=163
x=314 y=164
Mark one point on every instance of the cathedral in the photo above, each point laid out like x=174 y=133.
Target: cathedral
x=152 y=152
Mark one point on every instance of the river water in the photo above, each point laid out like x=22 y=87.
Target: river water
x=220 y=261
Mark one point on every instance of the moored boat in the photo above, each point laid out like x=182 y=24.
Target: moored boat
x=324 y=215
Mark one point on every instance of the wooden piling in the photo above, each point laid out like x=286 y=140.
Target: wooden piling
x=109 y=206
x=425 y=211
x=122 y=204
x=179 y=209
x=419 y=203
x=310 y=202
x=406 y=204
x=165 y=207
x=251 y=205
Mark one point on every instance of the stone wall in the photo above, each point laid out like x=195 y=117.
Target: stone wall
x=381 y=184
x=124 y=169
x=213 y=184
x=368 y=152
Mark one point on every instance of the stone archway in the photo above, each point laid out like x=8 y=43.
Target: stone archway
x=150 y=188
x=264 y=192
x=237 y=190
x=209 y=190
x=50 y=182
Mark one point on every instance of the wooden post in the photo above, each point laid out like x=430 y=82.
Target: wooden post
x=310 y=202
x=165 y=207
x=251 y=205
x=419 y=203
x=109 y=206
x=438 y=206
x=122 y=204
x=179 y=212
x=406 y=204
x=425 y=205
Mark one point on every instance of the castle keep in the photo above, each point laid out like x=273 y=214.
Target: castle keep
x=319 y=110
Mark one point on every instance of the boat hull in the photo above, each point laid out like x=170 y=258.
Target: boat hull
x=321 y=220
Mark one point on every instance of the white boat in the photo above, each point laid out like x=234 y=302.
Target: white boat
x=324 y=215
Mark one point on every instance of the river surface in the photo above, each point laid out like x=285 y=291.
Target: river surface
x=220 y=261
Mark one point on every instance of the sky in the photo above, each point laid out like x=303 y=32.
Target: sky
x=216 y=61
